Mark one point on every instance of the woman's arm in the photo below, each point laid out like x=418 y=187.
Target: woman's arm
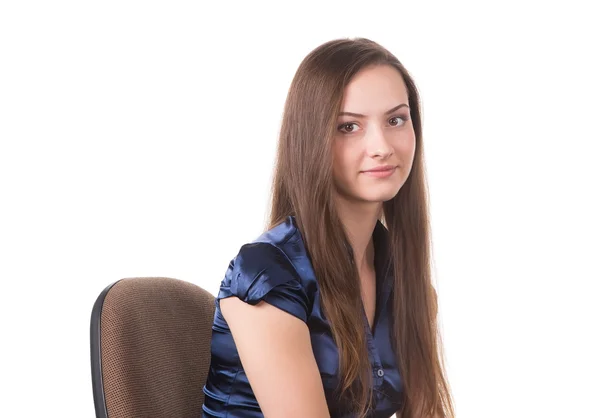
x=276 y=353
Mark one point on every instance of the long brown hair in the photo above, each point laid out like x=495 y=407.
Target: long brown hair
x=303 y=187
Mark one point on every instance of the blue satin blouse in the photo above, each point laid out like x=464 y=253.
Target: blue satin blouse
x=275 y=268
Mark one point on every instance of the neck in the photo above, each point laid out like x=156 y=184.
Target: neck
x=359 y=221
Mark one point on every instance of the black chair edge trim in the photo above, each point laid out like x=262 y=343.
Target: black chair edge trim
x=96 y=354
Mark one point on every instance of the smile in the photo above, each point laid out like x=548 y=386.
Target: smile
x=380 y=173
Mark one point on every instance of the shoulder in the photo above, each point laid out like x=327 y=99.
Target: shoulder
x=262 y=271
x=268 y=253
x=260 y=260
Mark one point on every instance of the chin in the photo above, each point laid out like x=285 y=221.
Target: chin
x=382 y=195
x=378 y=194
x=378 y=197
x=383 y=198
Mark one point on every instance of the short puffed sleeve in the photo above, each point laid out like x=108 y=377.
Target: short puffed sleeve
x=262 y=271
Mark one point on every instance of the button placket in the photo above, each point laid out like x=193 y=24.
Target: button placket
x=374 y=355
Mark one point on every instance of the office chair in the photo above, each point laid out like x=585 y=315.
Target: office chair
x=150 y=348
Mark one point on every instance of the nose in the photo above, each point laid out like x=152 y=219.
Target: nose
x=378 y=145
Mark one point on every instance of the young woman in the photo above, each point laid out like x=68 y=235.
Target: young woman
x=331 y=311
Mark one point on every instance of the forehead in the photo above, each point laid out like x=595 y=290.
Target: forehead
x=374 y=89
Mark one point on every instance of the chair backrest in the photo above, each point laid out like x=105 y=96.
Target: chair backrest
x=150 y=348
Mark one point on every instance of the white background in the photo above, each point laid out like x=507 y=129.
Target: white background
x=137 y=139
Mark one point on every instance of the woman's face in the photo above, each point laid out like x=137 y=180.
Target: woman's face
x=377 y=135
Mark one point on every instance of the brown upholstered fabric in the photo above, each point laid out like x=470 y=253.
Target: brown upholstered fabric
x=155 y=343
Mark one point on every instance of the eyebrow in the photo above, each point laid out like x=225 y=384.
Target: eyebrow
x=358 y=115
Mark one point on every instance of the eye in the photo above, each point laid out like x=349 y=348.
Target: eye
x=343 y=127
x=398 y=123
x=346 y=128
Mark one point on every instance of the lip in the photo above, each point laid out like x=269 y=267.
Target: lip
x=382 y=171
x=381 y=168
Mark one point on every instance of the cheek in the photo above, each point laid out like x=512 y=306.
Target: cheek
x=406 y=147
x=344 y=161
